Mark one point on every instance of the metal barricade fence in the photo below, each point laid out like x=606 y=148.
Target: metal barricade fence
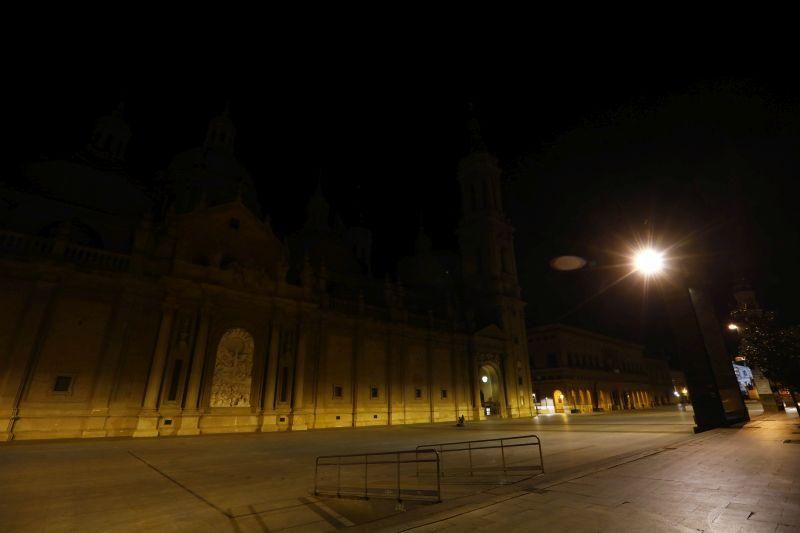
x=383 y=475
x=504 y=445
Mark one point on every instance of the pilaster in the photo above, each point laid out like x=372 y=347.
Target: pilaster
x=191 y=413
x=21 y=359
x=147 y=425
x=106 y=373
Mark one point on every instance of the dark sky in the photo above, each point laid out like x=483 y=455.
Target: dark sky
x=595 y=156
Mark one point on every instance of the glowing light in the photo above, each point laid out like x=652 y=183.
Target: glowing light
x=733 y=327
x=568 y=262
x=684 y=391
x=485 y=379
x=676 y=393
x=649 y=261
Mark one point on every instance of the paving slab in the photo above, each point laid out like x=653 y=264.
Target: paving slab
x=736 y=480
x=611 y=472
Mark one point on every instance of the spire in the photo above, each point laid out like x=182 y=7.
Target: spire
x=221 y=132
x=422 y=246
x=318 y=210
x=111 y=135
x=474 y=138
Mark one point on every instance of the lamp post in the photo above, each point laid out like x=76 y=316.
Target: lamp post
x=710 y=379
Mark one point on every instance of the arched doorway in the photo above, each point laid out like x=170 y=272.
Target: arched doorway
x=558 y=398
x=489 y=384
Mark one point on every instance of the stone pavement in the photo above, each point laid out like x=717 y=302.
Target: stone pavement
x=723 y=480
x=642 y=471
x=264 y=481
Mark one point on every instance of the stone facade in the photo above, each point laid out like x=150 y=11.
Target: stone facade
x=182 y=313
x=580 y=371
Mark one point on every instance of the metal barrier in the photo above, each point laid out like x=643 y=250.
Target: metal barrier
x=383 y=476
x=472 y=446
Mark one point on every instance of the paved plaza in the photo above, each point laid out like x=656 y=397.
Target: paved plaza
x=641 y=471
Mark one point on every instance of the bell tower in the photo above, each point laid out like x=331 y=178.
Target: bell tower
x=486 y=236
x=486 y=239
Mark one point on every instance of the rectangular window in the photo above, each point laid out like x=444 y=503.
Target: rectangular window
x=337 y=391
x=373 y=393
x=175 y=381
x=552 y=360
x=62 y=384
x=417 y=393
x=444 y=394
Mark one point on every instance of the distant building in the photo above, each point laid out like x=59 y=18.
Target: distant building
x=581 y=371
x=178 y=311
x=679 y=388
x=744 y=376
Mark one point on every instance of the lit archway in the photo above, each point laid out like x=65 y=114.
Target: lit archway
x=233 y=370
x=558 y=399
x=489 y=384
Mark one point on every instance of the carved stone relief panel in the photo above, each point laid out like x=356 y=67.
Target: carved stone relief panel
x=233 y=370
x=488 y=358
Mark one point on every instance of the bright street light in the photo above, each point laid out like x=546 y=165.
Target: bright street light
x=649 y=261
x=733 y=327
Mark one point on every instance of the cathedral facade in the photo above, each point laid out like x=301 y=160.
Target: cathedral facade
x=129 y=312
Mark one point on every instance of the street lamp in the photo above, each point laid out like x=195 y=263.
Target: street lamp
x=649 y=262
x=699 y=339
x=698 y=336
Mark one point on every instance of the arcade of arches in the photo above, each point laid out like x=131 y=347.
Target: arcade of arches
x=579 y=371
x=586 y=401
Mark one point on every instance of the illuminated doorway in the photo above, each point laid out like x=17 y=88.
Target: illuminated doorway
x=558 y=398
x=489 y=383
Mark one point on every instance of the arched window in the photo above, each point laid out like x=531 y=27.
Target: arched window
x=233 y=370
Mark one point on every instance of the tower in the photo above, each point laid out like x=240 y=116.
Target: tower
x=486 y=236
x=318 y=211
x=486 y=239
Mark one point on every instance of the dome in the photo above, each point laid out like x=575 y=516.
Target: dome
x=209 y=177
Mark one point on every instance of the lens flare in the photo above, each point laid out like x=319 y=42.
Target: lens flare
x=649 y=261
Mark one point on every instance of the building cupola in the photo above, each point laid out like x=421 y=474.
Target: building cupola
x=221 y=132
x=110 y=136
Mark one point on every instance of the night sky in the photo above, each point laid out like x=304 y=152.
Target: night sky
x=595 y=157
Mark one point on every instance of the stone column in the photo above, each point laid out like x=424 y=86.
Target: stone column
x=478 y=412
x=20 y=361
x=509 y=380
x=298 y=416
x=357 y=351
x=319 y=354
x=454 y=385
x=191 y=413
x=107 y=370
x=429 y=372
x=147 y=426
x=269 y=422
x=389 y=373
